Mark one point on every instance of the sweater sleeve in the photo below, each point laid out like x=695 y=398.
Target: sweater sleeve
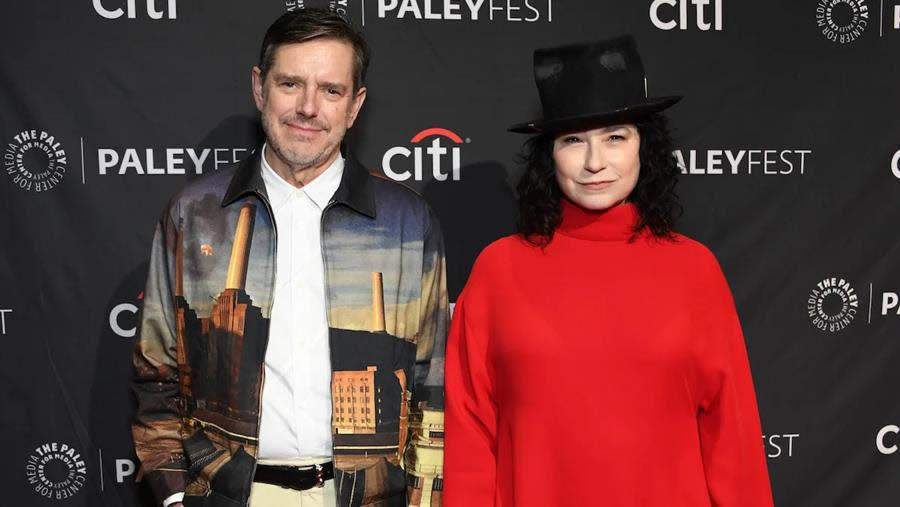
x=470 y=411
x=728 y=417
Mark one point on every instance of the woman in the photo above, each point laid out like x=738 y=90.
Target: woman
x=596 y=357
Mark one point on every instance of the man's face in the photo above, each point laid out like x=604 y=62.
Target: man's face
x=307 y=102
x=597 y=169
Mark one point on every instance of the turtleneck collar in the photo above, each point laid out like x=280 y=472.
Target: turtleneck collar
x=612 y=224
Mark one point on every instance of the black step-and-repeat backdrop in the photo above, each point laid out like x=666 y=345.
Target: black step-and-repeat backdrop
x=788 y=136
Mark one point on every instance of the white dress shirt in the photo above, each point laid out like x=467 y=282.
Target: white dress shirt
x=296 y=397
x=295 y=422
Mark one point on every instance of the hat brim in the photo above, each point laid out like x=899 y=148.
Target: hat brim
x=586 y=120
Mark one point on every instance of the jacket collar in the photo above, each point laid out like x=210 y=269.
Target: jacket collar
x=355 y=189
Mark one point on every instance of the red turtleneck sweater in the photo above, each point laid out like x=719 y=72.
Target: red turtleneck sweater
x=600 y=372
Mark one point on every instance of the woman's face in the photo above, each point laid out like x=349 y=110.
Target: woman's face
x=598 y=168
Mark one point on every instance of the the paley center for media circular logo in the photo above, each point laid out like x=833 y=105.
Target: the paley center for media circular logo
x=56 y=471
x=842 y=21
x=35 y=160
x=832 y=304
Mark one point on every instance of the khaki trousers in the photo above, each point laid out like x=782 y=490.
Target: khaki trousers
x=270 y=495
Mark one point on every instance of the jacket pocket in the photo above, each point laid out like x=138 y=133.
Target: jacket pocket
x=200 y=452
x=380 y=484
x=232 y=480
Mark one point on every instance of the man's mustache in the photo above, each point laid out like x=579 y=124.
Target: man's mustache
x=306 y=123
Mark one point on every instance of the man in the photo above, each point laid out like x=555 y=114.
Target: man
x=291 y=340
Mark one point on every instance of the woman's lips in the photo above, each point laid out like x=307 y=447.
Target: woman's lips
x=597 y=185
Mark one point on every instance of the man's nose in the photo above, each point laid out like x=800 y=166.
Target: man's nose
x=308 y=104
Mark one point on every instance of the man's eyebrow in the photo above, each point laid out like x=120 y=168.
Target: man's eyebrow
x=280 y=76
x=612 y=128
x=329 y=84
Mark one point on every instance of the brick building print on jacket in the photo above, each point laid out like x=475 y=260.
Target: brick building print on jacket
x=220 y=337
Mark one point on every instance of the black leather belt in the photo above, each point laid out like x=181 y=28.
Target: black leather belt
x=299 y=478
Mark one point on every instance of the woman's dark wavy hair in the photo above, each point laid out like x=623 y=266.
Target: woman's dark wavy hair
x=540 y=211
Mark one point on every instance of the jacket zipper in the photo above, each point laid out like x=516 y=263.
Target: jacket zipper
x=331 y=203
x=262 y=375
x=327 y=319
x=325 y=264
x=200 y=462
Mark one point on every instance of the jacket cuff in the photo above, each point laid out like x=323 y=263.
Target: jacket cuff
x=175 y=498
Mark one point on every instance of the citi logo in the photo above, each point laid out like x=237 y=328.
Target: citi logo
x=895 y=163
x=3 y=312
x=671 y=14
x=886 y=440
x=434 y=155
x=130 y=9
x=121 y=325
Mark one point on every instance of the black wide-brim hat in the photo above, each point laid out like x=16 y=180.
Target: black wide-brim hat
x=590 y=84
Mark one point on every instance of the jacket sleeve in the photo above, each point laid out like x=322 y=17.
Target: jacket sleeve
x=157 y=425
x=424 y=456
x=471 y=460
x=728 y=417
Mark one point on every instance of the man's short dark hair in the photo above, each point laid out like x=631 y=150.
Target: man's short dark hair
x=302 y=25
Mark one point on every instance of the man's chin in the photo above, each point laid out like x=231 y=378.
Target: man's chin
x=305 y=162
x=301 y=154
x=295 y=156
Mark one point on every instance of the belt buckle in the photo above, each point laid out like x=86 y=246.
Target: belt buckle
x=320 y=480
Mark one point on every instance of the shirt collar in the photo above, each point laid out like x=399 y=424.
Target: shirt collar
x=319 y=190
x=355 y=190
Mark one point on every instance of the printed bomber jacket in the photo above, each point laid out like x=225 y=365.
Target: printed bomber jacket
x=204 y=330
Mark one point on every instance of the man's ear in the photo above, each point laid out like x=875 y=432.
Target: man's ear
x=256 y=81
x=358 y=100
